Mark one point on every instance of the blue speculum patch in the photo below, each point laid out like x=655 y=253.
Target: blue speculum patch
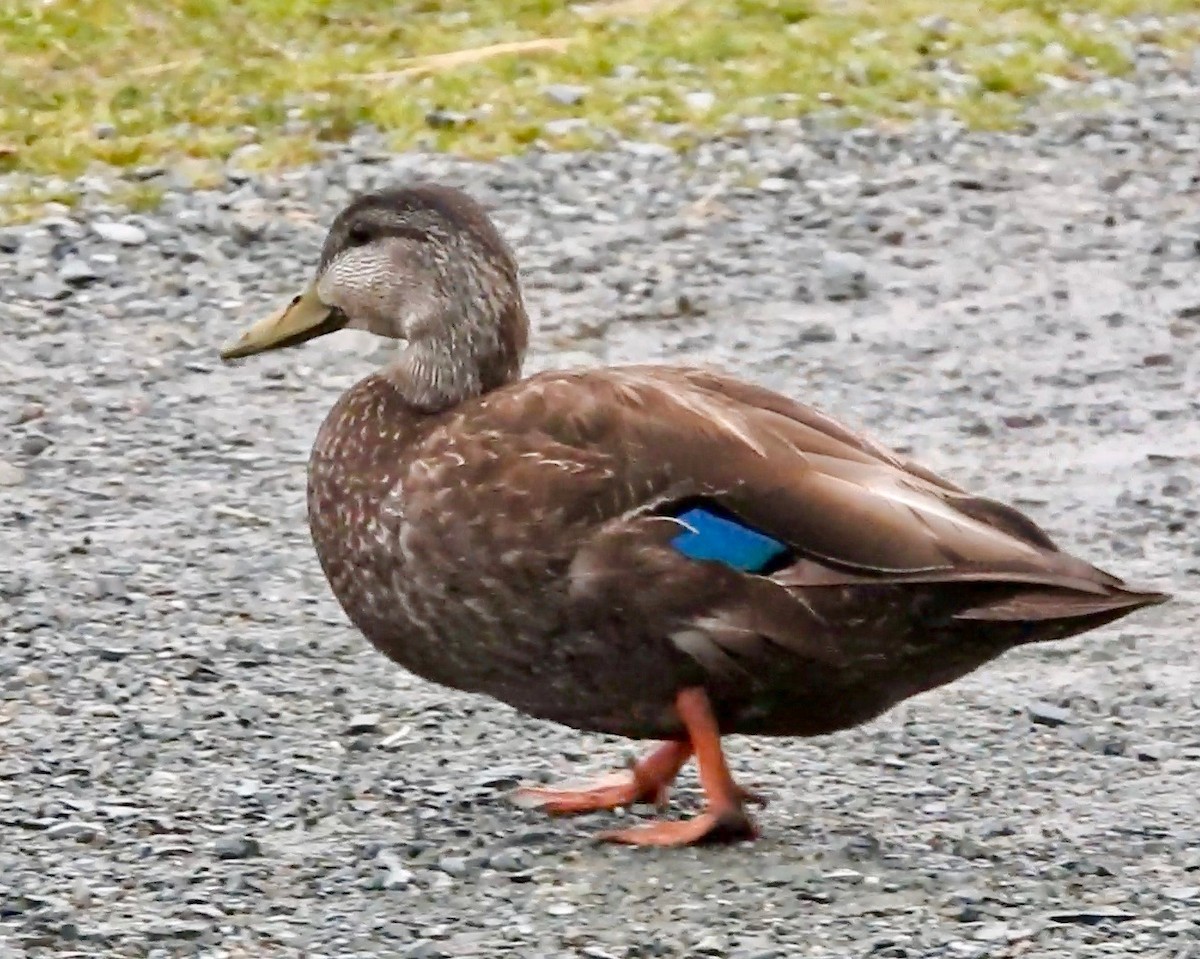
x=715 y=537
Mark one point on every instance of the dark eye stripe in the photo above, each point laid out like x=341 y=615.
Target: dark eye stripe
x=360 y=233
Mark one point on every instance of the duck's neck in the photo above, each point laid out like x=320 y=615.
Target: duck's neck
x=463 y=360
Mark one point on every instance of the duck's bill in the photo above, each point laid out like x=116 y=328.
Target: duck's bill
x=303 y=319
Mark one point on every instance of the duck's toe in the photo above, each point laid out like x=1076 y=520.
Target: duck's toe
x=648 y=780
x=709 y=827
x=612 y=791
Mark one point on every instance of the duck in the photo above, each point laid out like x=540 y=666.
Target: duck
x=662 y=553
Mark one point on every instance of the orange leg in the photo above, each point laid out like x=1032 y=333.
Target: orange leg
x=725 y=819
x=647 y=780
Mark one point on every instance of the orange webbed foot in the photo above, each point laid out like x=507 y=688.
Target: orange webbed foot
x=648 y=780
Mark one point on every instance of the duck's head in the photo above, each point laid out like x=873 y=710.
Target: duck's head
x=423 y=264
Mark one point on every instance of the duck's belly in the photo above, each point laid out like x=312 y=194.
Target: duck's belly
x=562 y=676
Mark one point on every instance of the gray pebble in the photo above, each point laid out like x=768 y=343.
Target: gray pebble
x=1182 y=893
x=46 y=287
x=35 y=444
x=775 y=184
x=126 y=234
x=1153 y=752
x=247 y=228
x=844 y=276
x=1177 y=486
x=363 y=723
x=109 y=587
x=565 y=94
x=237 y=847
x=1046 y=714
x=76 y=271
x=816 y=333
x=508 y=860
x=76 y=829
x=398 y=878
x=454 y=865
x=992 y=932
x=849 y=876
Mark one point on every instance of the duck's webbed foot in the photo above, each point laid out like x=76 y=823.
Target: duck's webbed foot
x=648 y=780
x=725 y=818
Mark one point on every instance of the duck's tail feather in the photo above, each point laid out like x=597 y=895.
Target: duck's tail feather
x=1055 y=613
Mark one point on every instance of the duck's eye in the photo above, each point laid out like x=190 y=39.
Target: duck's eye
x=358 y=234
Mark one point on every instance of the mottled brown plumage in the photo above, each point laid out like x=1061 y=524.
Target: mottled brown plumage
x=514 y=537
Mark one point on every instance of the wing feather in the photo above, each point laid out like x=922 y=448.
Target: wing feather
x=793 y=473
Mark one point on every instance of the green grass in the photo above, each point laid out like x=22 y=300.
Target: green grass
x=89 y=84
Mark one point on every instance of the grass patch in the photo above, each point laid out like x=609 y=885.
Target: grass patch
x=130 y=83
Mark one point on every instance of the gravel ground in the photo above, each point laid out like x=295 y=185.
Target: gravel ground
x=201 y=758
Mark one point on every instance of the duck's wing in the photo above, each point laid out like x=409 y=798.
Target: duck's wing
x=839 y=503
